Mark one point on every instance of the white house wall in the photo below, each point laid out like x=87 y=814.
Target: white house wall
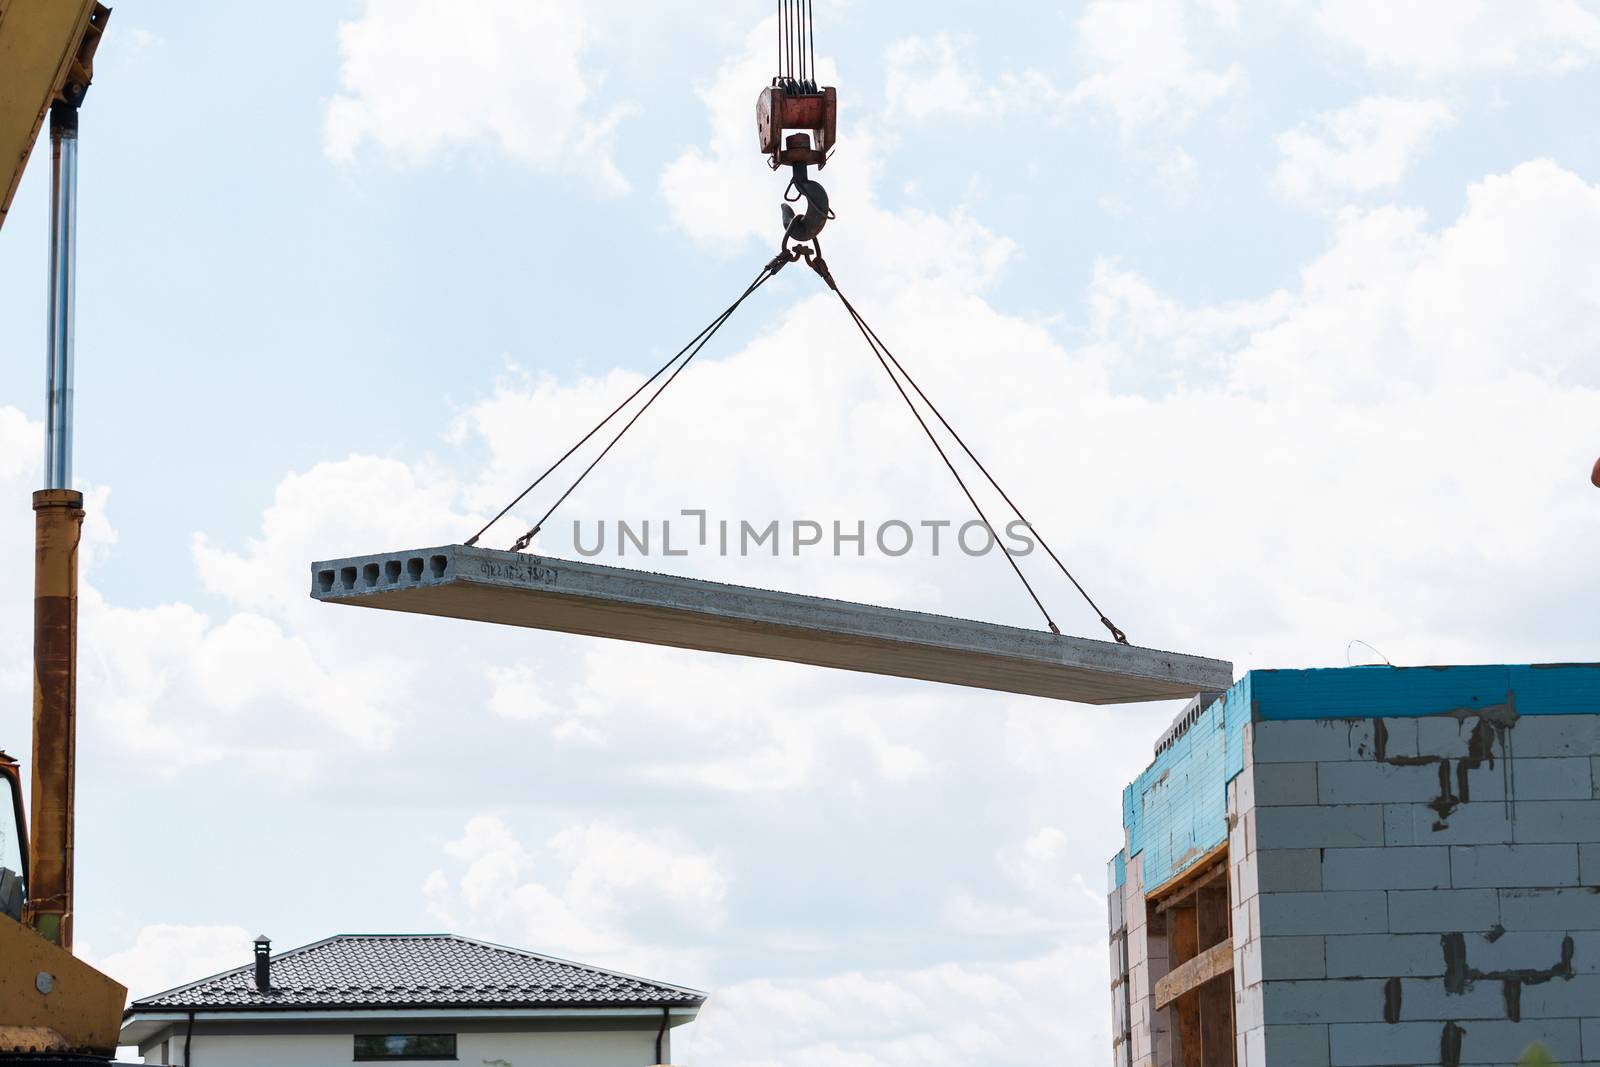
x=630 y=1048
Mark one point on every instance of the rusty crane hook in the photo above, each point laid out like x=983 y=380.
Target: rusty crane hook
x=805 y=226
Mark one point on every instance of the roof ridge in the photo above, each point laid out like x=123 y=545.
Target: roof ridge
x=239 y=969
x=431 y=969
x=580 y=966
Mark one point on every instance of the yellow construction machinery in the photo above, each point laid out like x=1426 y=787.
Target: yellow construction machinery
x=54 y=1008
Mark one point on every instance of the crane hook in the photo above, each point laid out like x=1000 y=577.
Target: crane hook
x=805 y=227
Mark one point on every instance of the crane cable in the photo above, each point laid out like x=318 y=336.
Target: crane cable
x=797 y=48
x=693 y=348
x=886 y=359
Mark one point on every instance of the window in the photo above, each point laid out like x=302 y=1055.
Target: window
x=405 y=1046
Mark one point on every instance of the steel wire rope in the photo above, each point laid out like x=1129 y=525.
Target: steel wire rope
x=699 y=340
x=890 y=364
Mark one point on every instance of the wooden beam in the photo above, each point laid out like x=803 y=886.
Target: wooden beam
x=1176 y=892
x=1191 y=975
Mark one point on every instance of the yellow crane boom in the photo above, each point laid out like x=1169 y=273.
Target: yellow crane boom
x=51 y=1004
x=46 y=48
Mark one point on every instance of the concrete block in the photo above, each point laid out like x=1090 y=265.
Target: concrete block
x=1138 y=946
x=1255 y=1041
x=1504 y=1042
x=1486 y=823
x=1288 y=914
x=1312 y=740
x=1247 y=964
x=1591 y=1037
x=1400 y=738
x=1561 y=998
x=1344 y=826
x=1589 y=864
x=1247 y=1008
x=1236 y=842
x=1164 y=1042
x=1399 y=824
x=1594 y=775
x=1290 y=958
x=1288 y=870
x=1276 y=784
x=1397 y=867
x=1556 y=735
x=1447 y=736
x=1384 y=956
x=1533 y=951
x=1494 y=866
x=1443 y=910
x=1138 y=982
x=1426 y=999
x=1499 y=1043
x=1243 y=880
x=1382 y=1044
x=1361 y=782
x=1550 y=909
x=1297 y=1045
x=1242 y=791
x=1555 y=778
x=584 y=598
x=1553 y=821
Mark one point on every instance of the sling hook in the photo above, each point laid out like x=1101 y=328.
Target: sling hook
x=805 y=227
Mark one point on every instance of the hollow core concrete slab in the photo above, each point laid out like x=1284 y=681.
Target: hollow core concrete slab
x=514 y=589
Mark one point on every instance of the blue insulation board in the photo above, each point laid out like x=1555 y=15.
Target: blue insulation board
x=1176 y=811
x=1117 y=871
x=1410 y=692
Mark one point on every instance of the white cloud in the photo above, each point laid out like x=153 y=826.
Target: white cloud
x=946 y=1015
x=1433 y=38
x=933 y=77
x=171 y=686
x=1370 y=145
x=1143 y=71
x=1176 y=176
x=418 y=79
x=165 y=955
x=594 y=892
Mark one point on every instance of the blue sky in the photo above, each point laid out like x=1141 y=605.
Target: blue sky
x=1279 y=319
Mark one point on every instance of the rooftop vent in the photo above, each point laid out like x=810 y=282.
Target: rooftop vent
x=264 y=963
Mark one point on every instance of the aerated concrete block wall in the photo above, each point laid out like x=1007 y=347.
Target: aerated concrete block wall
x=1414 y=869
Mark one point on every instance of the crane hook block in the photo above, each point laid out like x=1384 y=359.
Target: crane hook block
x=806 y=225
x=780 y=110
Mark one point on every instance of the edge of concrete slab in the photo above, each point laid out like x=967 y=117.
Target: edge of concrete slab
x=639 y=605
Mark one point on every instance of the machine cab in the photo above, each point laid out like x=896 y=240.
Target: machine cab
x=13 y=841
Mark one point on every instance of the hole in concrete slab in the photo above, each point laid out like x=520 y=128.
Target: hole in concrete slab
x=347 y=577
x=414 y=568
x=437 y=564
x=391 y=571
x=325 y=581
x=369 y=573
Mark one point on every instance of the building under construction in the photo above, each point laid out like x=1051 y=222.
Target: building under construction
x=1365 y=867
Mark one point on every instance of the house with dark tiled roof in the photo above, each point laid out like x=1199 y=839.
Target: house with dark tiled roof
x=416 y=997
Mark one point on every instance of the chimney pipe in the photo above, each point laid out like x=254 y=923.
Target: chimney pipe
x=264 y=963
